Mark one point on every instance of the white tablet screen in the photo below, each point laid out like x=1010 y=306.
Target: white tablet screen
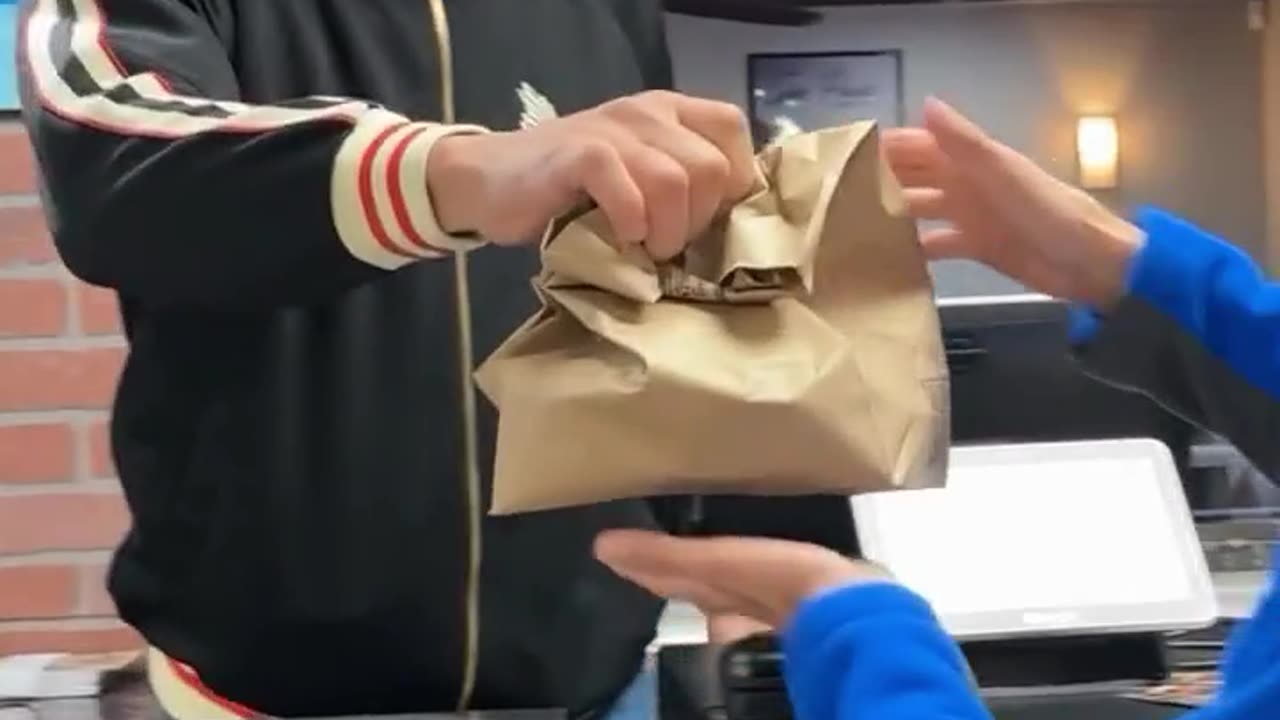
x=1014 y=536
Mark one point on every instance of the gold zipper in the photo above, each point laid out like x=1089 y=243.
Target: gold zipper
x=462 y=306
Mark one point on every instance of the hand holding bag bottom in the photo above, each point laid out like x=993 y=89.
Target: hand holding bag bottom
x=794 y=349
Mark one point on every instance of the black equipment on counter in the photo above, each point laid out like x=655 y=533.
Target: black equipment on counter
x=744 y=681
x=1014 y=379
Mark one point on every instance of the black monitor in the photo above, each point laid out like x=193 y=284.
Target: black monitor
x=1014 y=379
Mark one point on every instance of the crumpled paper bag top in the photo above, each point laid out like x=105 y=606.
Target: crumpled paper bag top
x=792 y=349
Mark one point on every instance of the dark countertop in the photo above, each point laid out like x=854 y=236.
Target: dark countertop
x=1093 y=707
x=127 y=697
x=1057 y=708
x=687 y=692
x=139 y=705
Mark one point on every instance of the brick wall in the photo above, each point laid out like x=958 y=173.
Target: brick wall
x=60 y=507
x=1271 y=133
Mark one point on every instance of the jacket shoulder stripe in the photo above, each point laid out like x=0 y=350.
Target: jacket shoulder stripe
x=381 y=212
x=78 y=77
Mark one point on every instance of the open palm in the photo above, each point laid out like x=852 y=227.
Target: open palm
x=759 y=579
x=1006 y=212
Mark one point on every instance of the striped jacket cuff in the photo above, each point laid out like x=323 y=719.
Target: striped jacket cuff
x=381 y=208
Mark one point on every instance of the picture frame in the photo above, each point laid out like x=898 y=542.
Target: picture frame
x=807 y=91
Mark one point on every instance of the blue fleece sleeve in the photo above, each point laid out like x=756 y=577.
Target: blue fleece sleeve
x=1251 y=667
x=875 y=652
x=1215 y=292
x=1199 y=331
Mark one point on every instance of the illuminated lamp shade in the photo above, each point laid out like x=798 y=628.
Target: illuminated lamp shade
x=1098 y=145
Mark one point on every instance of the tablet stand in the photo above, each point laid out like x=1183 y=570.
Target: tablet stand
x=1067 y=660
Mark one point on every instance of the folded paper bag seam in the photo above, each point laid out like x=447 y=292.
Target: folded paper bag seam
x=809 y=360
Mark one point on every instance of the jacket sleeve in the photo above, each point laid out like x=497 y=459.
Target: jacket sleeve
x=1199 y=331
x=875 y=651
x=160 y=183
x=645 y=24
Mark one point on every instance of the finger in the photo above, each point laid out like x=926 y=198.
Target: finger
x=955 y=134
x=768 y=578
x=643 y=558
x=743 y=567
x=603 y=175
x=704 y=164
x=665 y=186
x=897 y=135
x=713 y=601
x=639 y=550
x=761 y=578
x=947 y=244
x=999 y=170
x=1008 y=178
x=651 y=554
x=914 y=156
x=926 y=203
x=724 y=126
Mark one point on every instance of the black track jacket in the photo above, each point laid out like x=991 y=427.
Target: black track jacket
x=248 y=176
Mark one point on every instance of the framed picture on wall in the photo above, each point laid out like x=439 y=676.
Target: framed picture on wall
x=809 y=91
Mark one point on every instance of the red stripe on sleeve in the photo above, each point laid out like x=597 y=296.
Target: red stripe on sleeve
x=397 y=192
x=102 y=41
x=367 y=202
x=188 y=677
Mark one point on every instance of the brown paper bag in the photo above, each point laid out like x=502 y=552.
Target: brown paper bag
x=794 y=349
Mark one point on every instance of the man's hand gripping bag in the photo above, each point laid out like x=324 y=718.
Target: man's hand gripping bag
x=794 y=349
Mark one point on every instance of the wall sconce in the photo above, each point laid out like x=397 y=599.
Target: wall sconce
x=1098 y=146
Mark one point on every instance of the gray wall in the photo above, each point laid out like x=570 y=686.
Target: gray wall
x=1183 y=80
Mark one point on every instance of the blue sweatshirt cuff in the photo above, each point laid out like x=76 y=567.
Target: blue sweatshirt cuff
x=874 y=651
x=1172 y=258
x=815 y=618
x=1083 y=324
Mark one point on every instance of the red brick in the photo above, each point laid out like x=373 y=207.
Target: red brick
x=61 y=521
x=17 y=164
x=94 y=598
x=38 y=591
x=35 y=307
x=100 y=463
x=35 y=453
x=67 y=636
x=24 y=237
x=59 y=379
x=99 y=311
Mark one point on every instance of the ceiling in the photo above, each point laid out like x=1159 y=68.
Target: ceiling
x=808 y=12
x=779 y=12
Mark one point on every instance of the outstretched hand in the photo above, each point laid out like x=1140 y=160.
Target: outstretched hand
x=1006 y=212
x=756 y=578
